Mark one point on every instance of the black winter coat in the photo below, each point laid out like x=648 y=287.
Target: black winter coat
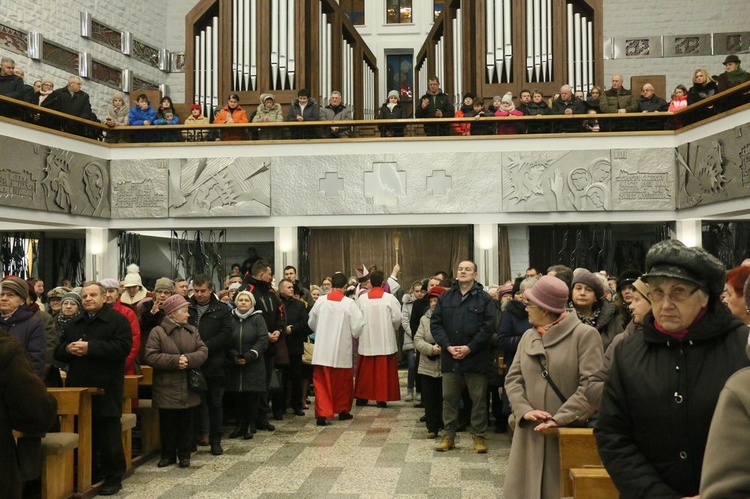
x=464 y=320
x=215 y=328
x=439 y=101
x=699 y=92
x=658 y=402
x=110 y=340
x=515 y=322
x=268 y=302
x=77 y=104
x=397 y=113
x=296 y=317
x=652 y=105
x=249 y=341
x=25 y=406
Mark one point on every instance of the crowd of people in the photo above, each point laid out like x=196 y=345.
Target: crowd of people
x=72 y=100
x=642 y=358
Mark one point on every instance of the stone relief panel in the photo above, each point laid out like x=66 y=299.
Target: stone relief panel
x=716 y=168
x=643 y=179
x=47 y=179
x=557 y=181
x=386 y=183
x=220 y=187
x=140 y=188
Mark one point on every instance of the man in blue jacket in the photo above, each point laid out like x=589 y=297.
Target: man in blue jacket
x=462 y=325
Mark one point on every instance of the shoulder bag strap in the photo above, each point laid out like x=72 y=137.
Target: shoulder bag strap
x=545 y=375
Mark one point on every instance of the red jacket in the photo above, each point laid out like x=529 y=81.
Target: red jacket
x=136 y=332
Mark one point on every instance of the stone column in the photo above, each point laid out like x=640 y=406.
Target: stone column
x=518 y=242
x=689 y=232
x=485 y=253
x=102 y=254
x=285 y=250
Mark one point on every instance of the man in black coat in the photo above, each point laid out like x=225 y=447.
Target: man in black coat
x=73 y=101
x=295 y=333
x=435 y=104
x=462 y=325
x=214 y=323
x=10 y=85
x=267 y=301
x=95 y=346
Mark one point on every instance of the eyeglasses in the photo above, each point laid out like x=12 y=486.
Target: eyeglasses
x=676 y=295
x=7 y=294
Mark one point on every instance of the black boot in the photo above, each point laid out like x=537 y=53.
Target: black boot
x=236 y=432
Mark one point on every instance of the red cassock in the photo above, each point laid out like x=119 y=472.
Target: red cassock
x=377 y=378
x=334 y=387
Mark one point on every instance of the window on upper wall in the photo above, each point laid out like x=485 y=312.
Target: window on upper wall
x=398 y=11
x=355 y=9
x=437 y=7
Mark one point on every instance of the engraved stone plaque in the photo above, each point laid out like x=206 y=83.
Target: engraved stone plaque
x=139 y=188
x=643 y=179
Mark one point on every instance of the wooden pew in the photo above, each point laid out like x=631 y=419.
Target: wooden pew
x=592 y=483
x=76 y=405
x=148 y=420
x=128 y=419
x=577 y=450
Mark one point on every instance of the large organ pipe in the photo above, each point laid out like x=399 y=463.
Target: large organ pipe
x=507 y=39
x=202 y=76
x=322 y=52
x=590 y=51
x=529 y=39
x=457 y=61
x=549 y=40
x=290 y=62
x=543 y=31
x=499 y=29
x=282 y=43
x=577 y=57
x=236 y=43
x=537 y=40
x=571 y=68
x=197 y=70
x=349 y=74
x=274 y=42
x=489 y=29
x=584 y=56
x=215 y=65
x=209 y=64
x=249 y=55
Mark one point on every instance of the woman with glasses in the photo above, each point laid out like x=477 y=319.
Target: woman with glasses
x=664 y=384
x=545 y=387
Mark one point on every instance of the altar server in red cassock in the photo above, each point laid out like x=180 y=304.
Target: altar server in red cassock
x=335 y=319
x=377 y=369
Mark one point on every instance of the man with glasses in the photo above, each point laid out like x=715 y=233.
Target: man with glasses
x=664 y=384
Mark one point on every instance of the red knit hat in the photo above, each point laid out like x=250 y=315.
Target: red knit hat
x=436 y=291
x=194 y=107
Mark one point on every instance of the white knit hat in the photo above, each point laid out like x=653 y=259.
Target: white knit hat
x=133 y=278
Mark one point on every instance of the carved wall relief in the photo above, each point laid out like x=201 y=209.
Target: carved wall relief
x=715 y=168
x=40 y=178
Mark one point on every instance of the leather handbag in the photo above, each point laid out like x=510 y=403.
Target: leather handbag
x=307 y=354
x=196 y=381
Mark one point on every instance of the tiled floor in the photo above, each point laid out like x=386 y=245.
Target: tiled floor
x=379 y=453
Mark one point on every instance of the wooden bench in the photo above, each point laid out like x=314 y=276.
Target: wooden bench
x=592 y=483
x=577 y=450
x=74 y=409
x=148 y=420
x=128 y=419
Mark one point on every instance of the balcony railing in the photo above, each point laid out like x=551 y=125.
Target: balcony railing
x=729 y=101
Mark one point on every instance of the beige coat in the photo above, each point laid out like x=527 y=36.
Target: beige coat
x=571 y=351
x=423 y=342
x=726 y=463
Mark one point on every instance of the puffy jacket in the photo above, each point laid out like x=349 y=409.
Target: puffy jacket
x=29 y=330
x=340 y=112
x=311 y=112
x=166 y=343
x=274 y=114
x=137 y=115
x=658 y=402
x=439 y=101
x=215 y=329
x=238 y=116
x=135 y=330
x=396 y=113
x=464 y=320
x=249 y=341
x=612 y=100
x=574 y=104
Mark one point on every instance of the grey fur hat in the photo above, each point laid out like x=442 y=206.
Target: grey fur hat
x=673 y=259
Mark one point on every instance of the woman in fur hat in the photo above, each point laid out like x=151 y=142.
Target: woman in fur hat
x=117 y=115
x=664 y=384
x=269 y=111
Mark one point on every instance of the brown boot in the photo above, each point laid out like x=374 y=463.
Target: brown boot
x=480 y=445
x=446 y=444
x=203 y=440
